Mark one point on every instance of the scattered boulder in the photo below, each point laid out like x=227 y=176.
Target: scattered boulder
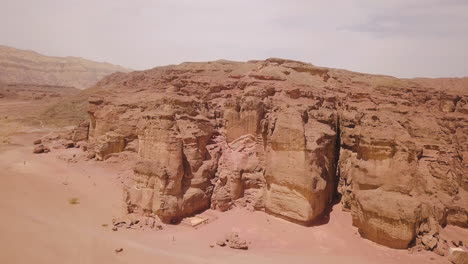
x=238 y=244
x=457 y=243
x=133 y=221
x=41 y=149
x=37 y=141
x=429 y=242
x=221 y=243
x=234 y=241
x=441 y=249
x=38 y=149
x=69 y=144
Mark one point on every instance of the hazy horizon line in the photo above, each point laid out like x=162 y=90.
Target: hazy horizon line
x=245 y=61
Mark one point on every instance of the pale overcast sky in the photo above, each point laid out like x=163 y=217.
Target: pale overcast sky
x=404 y=38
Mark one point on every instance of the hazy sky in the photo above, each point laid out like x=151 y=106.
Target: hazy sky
x=404 y=38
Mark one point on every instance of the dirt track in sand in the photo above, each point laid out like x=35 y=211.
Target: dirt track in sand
x=39 y=225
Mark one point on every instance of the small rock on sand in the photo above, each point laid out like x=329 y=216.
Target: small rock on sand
x=69 y=144
x=38 y=150
x=221 y=243
x=41 y=149
x=234 y=241
x=238 y=244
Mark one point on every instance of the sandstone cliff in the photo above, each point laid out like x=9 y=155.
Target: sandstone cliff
x=290 y=138
x=21 y=66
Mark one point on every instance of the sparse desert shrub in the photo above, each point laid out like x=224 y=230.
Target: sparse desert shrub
x=73 y=200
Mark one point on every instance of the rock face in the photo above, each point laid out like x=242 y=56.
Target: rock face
x=387 y=217
x=289 y=138
x=21 y=66
x=81 y=132
x=109 y=143
x=458 y=256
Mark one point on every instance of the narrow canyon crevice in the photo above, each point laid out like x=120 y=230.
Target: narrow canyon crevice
x=337 y=182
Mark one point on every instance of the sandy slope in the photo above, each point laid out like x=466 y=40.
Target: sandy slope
x=38 y=225
x=24 y=66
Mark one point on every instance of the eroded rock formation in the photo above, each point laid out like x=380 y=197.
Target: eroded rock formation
x=289 y=138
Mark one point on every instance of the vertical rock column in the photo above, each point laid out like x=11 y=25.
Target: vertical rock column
x=158 y=176
x=300 y=168
x=172 y=180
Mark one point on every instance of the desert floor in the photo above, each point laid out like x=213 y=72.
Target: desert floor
x=39 y=225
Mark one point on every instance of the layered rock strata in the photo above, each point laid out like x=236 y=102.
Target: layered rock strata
x=288 y=138
x=29 y=67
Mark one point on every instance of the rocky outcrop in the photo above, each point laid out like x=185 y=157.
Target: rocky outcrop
x=108 y=143
x=290 y=138
x=300 y=165
x=172 y=180
x=239 y=177
x=81 y=132
x=400 y=148
x=394 y=219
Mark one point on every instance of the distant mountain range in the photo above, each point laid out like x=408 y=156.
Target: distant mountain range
x=29 y=67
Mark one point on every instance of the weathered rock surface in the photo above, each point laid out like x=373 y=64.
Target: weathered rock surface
x=81 y=132
x=109 y=143
x=288 y=138
x=458 y=256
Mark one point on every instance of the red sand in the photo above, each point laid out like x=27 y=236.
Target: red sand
x=39 y=225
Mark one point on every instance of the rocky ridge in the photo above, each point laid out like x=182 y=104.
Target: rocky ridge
x=29 y=67
x=290 y=138
x=26 y=92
